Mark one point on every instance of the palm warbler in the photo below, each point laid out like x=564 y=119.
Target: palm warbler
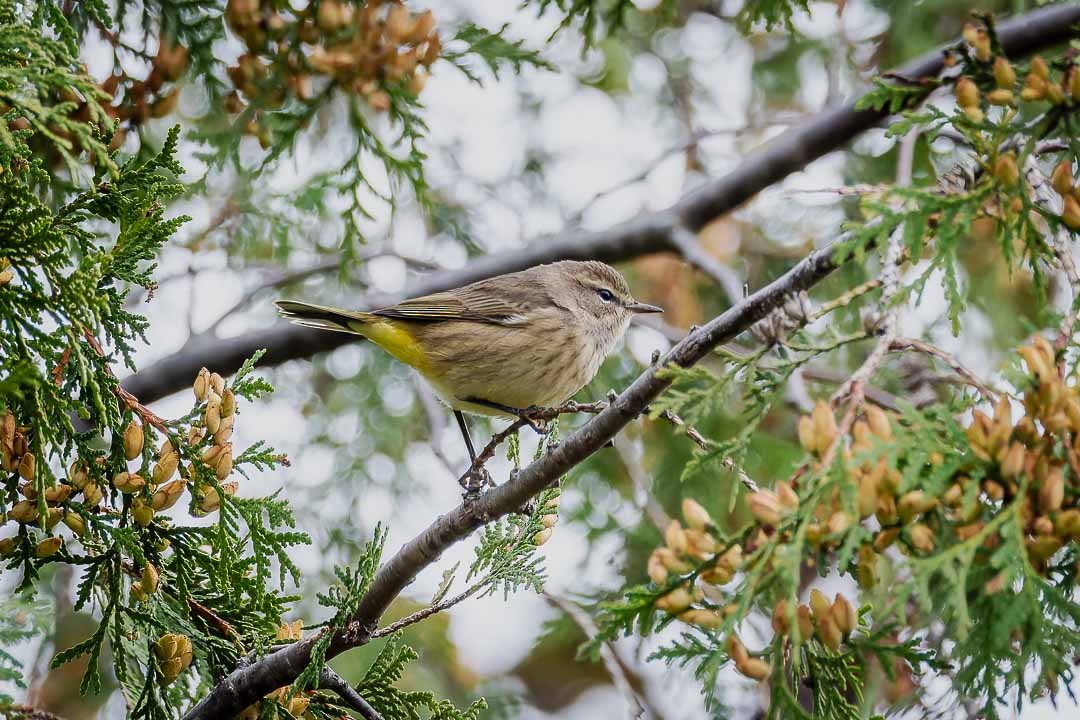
x=502 y=346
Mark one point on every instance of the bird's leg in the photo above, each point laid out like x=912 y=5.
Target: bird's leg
x=465 y=434
x=474 y=480
x=528 y=414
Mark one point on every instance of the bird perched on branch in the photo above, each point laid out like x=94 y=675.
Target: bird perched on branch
x=505 y=346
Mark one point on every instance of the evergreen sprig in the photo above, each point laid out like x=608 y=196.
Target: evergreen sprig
x=378 y=688
x=493 y=49
x=86 y=467
x=21 y=618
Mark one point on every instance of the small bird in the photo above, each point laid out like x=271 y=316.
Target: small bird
x=505 y=346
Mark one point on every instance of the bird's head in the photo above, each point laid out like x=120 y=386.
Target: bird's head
x=597 y=294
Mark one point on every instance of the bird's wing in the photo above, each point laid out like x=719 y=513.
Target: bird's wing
x=475 y=302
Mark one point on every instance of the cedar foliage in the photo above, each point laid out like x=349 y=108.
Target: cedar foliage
x=961 y=536
x=88 y=471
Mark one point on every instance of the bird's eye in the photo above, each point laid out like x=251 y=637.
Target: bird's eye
x=605 y=295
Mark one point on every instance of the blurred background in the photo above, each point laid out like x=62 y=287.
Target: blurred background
x=611 y=131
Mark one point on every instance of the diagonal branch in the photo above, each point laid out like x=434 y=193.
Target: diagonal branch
x=790 y=151
x=251 y=682
x=127 y=397
x=616 y=667
x=966 y=375
x=688 y=245
x=701 y=442
x=330 y=680
x=27 y=712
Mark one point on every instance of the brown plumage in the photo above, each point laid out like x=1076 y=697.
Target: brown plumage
x=530 y=338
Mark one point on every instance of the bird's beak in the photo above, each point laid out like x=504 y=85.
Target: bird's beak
x=640 y=307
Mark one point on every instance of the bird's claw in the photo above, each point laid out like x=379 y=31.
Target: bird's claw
x=540 y=427
x=535 y=416
x=474 y=481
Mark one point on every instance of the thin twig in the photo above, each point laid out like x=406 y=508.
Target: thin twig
x=278 y=280
x=432 y=609
x=640 y=480
x=699 y=440
x=541 y=414
x=435 y=607
x=857 y=189
x=228 y=210
x=906 y=343
x=27 y=712
x=844 y=299
x=488 y=452
x=685 y=147
x=854 y=388
x=617 y=669
x=688 y=245
x=197 y=608
x=832 y=377
x=330 y=680
x=129 y=399
x=281 y=279
x=214 y=619
x=568 y=408
x=690 y=431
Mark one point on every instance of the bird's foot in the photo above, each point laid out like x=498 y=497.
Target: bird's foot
x=540 y=427
x=474 y=481
x=538 y=418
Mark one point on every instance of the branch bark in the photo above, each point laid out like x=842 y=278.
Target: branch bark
x=27 y=712
x=330 y=680
x=787 y=153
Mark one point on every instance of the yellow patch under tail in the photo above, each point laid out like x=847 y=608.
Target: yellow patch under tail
x=394 y=339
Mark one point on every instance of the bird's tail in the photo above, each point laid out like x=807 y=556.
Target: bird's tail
x=322 y=317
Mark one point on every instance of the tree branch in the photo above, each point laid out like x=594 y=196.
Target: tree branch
x=126 y=396
x=688 y=245
x=500 y=437
x=790 y=151
x=330 y=680
x=701 y=442
x=854 y=388
x=432 y=609
x=247 y=684
x=617 y=669
x=27 y=712
x=904 y=343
